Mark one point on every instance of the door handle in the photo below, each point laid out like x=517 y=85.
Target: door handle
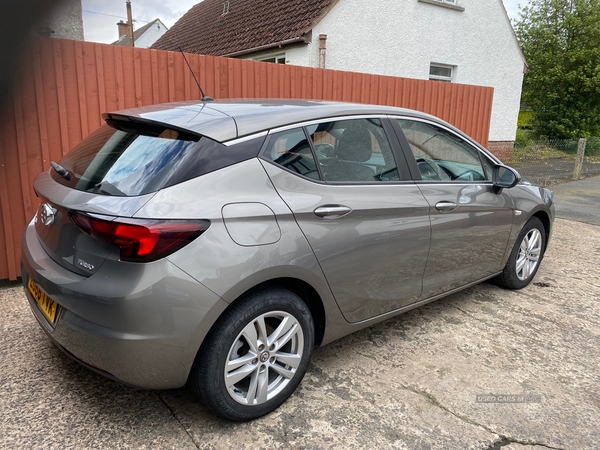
x=446 y=207
x=332 y=211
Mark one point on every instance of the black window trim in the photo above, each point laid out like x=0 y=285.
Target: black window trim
x=311 y=144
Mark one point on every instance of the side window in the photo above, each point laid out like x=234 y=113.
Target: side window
x=354 y=150
x=291 y=150
x=441 y=155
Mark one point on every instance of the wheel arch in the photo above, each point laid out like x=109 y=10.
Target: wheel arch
x=306 y=292
x=545 y=219
x=301 y=288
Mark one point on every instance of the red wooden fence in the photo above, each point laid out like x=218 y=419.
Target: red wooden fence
x=65 y=85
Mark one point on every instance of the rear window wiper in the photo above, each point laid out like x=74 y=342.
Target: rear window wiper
x=61 y=170
x=104 y=187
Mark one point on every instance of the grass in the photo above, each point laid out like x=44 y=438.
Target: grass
x=539 y=151
x=527 y=148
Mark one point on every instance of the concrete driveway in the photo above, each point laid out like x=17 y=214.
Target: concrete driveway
x=579 y=200
x=410 y=383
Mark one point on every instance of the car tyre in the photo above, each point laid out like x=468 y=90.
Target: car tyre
x=255 y=355
x=526 y=256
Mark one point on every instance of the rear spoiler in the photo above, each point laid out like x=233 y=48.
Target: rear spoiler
x=132 y=124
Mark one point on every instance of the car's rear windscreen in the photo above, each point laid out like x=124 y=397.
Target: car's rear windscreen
x=124 y=159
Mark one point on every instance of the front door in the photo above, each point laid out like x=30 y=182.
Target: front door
x=470 y=220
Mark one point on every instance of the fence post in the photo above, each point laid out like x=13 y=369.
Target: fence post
x=579 y=161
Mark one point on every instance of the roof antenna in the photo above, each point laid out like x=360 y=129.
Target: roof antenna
x=204 y=98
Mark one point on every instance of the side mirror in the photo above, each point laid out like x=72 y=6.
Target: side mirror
x=504 y=177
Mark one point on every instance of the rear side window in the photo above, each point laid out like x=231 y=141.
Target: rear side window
x=291 y=150
x=135 y=161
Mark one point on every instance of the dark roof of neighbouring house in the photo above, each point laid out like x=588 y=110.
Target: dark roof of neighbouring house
x=221 y=27
x=124 y=40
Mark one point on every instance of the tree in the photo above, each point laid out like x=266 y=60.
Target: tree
x=561 y=42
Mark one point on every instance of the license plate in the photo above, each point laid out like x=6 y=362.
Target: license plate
x=46 y=304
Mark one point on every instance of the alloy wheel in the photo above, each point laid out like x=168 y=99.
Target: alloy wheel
x=529 y=254
x=264 y=358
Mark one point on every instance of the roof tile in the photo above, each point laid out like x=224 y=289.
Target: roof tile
x=248 y=24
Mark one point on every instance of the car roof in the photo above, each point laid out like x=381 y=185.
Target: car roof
x=230 y=119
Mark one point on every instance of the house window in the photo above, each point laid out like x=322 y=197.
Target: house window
x=450 y=4
x=441 y=72
x=277 y=59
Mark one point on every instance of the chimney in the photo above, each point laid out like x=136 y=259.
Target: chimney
x=123 y=29
x=129 y=23
x=322 y=50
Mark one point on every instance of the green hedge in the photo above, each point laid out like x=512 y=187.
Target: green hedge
x=525 y=121
x=592 y=147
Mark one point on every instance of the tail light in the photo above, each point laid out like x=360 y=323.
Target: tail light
x=141 y=240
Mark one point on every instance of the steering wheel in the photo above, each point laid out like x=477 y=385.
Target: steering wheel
x=470 y=175
x=426 y=170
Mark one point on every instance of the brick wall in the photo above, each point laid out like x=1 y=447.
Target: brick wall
x=502 y=149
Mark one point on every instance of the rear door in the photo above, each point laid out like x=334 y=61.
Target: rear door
x=470 y=221
x=367 y=225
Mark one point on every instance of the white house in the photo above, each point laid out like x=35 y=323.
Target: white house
x=64 y=21
x=459 y=41
x=143 y=37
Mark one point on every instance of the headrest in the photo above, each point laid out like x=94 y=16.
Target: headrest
x=355 y=144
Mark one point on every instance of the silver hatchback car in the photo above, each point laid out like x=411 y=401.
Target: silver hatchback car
x=219 y=243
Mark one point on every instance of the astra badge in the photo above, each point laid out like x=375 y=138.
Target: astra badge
x=47 y=214
x=85 y=264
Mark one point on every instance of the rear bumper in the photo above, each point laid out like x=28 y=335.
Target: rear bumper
x=141 y=324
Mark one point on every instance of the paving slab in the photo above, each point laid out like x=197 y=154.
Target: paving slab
x=486 y=369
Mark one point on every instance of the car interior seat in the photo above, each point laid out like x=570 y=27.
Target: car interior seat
x=353 y=150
